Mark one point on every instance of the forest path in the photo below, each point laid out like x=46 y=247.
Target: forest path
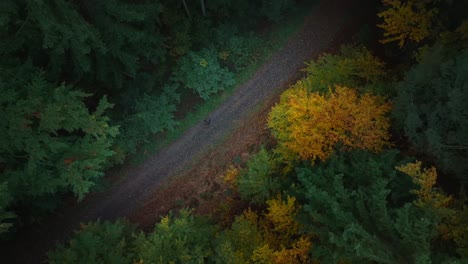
x=124 y=198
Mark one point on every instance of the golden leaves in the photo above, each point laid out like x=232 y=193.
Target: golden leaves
x=425 y=179
x=406 y=21
x=308 y=126
x=281 y=214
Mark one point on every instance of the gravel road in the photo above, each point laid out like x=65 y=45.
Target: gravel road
x=320 y=28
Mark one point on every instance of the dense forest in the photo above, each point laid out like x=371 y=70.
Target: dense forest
x=84 y=83
x=366 y=160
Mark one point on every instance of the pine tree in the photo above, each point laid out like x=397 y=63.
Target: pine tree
x=431 y=108
x=97 y=242
x=107 y=41
x=257 y=183
x=182 y=239
x=361 y=210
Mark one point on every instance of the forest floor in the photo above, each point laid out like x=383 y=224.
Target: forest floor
x=188 y=172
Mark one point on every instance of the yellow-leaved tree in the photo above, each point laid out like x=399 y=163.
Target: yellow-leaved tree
x=308 y=126
x=271 y=237
x=405 y=21
x=425 y=179
x=453 y=212
x=282 y=242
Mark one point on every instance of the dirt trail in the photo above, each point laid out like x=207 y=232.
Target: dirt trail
x=320 y=29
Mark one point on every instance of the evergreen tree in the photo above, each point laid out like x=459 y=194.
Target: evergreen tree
x=107 y=41
x=431 y=108
x=361 y=209
x=182 y=239
x=97 y=242
x=257 y=183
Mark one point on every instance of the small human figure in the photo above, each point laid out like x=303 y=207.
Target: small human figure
x=207 y=121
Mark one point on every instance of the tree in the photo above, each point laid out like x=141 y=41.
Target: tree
x=425 y=179
x=150 y=115
x=256 y=183
x=273 y=237
x=51 y=143
x=308 y=126
x=182 y=239
x=431 y=108
x=105 y=41
x=405 y=21
x=201 y=72
x=97 y=242
x=354 y=66
x=361 y=210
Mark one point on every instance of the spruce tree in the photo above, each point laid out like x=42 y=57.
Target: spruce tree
x=432 y=111
x=361 y=210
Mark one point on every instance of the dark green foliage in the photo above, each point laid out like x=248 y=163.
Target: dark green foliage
x=51 y=143
x=105 y=41
x=201 y=72
x=256 y=183
x=55 y=138
x=248 y=12
x=5 y=216
x=151 y=115
x=353 y=203
x=130 y=32
x=274 y=9
x=50 y=139
x=182 y=239
x=239 y=51
x=97 y=242
x=431 y=108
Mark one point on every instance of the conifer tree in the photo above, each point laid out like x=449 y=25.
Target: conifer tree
x=361 y=209
x=182 y=239
x=257 y=183
x=97 y=242
x=107 y=41
x=431 y=108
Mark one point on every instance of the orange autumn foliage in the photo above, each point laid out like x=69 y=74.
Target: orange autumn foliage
x=308 y=126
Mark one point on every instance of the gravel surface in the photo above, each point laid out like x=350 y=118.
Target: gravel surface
x=320 y=28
